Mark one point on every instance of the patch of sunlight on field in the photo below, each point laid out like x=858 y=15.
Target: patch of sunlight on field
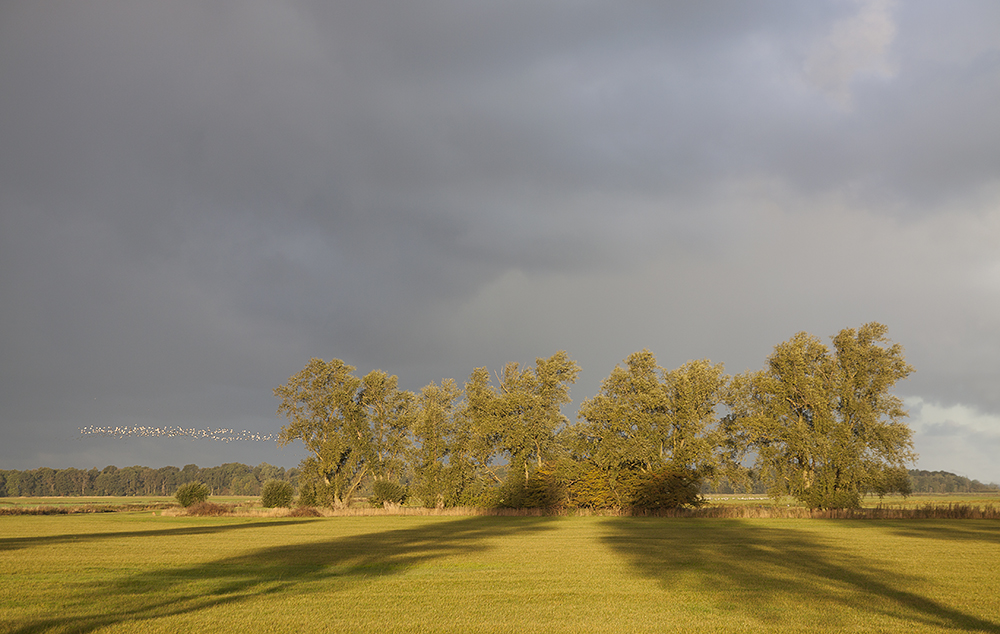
x=135 y=572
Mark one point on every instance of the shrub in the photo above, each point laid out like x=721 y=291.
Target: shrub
x=387 y=491
x=819 y=497
x=304 y=511
x=210 y=509
x=510 y=494
x=544 y=490
x=307 y=494
x=667 y=489
x=276 y=493
x=892 y=480
x=190 y=493
x=589 y=486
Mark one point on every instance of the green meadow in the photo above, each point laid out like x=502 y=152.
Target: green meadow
x=146 y=572
x=116 y=503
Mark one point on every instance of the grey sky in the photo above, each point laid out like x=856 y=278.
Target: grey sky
x=196 y=198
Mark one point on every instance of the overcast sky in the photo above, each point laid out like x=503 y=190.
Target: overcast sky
x=196 y=198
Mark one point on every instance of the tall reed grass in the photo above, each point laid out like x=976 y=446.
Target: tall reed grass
x=880 y=512
x=957 y=511
x=927 y=511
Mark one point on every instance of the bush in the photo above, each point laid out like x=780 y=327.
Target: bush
x=209 y=509
x=276 y=493
x=387 y=491
x=190 y=493
x=589 y=486
x=819 y=497
x=544 y=490
x=892 y=480
x=308 y=495
x=667 y=489
x=510 y=494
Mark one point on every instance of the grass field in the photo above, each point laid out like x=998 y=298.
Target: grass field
x=144 y=572
x=117 y=502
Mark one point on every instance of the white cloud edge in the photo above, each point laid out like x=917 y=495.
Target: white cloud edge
x=956 y=438
x=855 y=46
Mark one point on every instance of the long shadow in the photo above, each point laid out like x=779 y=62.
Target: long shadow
x=770 y=568
x=274 y=570
x=951 y=530
x=15 y=543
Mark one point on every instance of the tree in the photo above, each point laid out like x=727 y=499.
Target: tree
x=435 y=430
x=131 y=479
x=661 y=424
x=14 y=485
x=321 y=404
x=528 y=413
x=823 y=424
x=697 y=440
x=108 y=483
x=45 y=481
x=67 y=482
x=167 y=479
x=244 y=485
x=626 y=423
x=390 y=414
x=651 y=417
x=553 y=377
x=264 y=472
x=480 y=425
x=189 y=473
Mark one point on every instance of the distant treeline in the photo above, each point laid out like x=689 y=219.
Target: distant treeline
x=232 y=478
x=920 y=482
x=945 y=482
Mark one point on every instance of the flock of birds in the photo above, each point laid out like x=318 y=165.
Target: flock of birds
x=225 y=435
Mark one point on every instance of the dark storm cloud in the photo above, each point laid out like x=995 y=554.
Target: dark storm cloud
x=197 y=198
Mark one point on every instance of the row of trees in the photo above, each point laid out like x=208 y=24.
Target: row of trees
x=817 y=423
x=450 y=446
x=240 y=479
x=228 y=479
x=947 y=482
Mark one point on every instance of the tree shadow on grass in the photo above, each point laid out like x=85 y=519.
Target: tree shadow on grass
x=987 y=531
x=275 y=570
x=15 y=543
x=766 y=571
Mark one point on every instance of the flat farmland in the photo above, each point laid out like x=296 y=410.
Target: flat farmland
x=144 y=572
